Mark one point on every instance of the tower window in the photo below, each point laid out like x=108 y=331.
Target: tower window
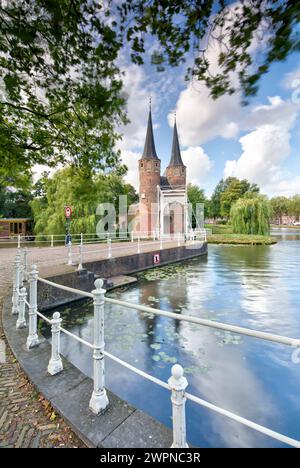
x=142 y=164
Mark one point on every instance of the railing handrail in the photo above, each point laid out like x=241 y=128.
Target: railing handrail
x=206 y=404
x=188 y=318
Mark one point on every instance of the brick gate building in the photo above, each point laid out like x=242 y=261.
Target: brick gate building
x=162 y=208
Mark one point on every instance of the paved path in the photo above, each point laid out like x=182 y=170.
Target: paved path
x=26 y=418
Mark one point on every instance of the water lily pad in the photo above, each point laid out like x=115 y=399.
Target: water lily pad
x=155 y=346
x=156 y=357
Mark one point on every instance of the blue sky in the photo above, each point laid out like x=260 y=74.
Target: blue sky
x=218 y=138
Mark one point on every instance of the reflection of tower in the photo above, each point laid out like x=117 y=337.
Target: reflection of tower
x=149 y=289
x=149 y=174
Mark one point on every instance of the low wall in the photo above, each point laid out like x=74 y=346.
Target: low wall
x=50 y=297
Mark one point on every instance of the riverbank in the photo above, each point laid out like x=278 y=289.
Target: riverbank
x=240 y=239
x=222 y=234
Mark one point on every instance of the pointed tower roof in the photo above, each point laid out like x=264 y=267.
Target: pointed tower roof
x=175 y=154
x=149 y=148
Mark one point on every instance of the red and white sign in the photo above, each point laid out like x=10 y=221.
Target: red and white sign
x=156 y=259
x=68 y=211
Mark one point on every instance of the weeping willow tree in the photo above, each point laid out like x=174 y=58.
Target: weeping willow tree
x=83 y=191
x=251 y=216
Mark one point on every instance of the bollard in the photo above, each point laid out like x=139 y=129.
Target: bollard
x=25 y=264
x=19 y=241
x=81 y=238
x=52 y=240
x=99 y=400
x=16 y=286
x=21 y=322
x=178 y=384
x=178 y=240
x=138 y=246
x=70 y=253
x=132 y=236
x=55 y=364
x=109 y=248
x=33 y=339
x=80 y=267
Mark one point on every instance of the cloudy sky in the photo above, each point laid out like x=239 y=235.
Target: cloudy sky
x=260 y=142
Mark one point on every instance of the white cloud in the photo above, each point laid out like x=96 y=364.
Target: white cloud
x=291 y=79
x=138 y=93
x=267 y=146
x=198 y=164
x=201 y=119
x=130 y=158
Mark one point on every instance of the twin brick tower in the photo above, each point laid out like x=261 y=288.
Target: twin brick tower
x=163 y=199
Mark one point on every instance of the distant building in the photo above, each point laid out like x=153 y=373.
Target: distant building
x=12 y=227
x=285 y=220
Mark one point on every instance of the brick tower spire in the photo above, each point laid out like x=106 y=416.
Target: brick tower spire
x=176 y=170
x=149 y=175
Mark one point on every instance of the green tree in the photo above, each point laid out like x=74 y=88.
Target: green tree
x=60 y=88
x=196 y=195
x=294 y=206
x=70 y=186
x=181 y=27
x=215 y=202
x=15 y=203
x=280 y=206
x=251 y=215
x=234 y=190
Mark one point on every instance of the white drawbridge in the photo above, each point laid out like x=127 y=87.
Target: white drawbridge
x=175 y=214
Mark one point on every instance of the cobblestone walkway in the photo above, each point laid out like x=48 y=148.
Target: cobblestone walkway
x=26 y=419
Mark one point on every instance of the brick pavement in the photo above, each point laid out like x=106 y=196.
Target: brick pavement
x=26 y=418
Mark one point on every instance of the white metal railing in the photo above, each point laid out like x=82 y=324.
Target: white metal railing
x=177 y=383
x=78 y=254
x=89 y=238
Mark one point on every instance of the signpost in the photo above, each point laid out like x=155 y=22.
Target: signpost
x=156 y=259
x=68 y=214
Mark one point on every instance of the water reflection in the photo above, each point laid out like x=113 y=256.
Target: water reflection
x=253 y=286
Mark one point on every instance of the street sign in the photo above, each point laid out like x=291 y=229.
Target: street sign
x=68 y=211
x=156 y=259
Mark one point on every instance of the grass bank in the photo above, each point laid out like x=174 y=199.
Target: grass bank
x=222 y=234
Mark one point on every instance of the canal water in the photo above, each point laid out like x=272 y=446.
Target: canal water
x=252 y=286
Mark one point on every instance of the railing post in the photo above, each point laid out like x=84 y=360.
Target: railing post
x=109 y=248
x=33 y=339
x=16 y=285
x=21 y=322
x=52 y=240
x=80 y=257
x=132 y=236
x=70 y=253
x=19 y=241
x=25 y=265
x=161 y=243
x=178 y=384
x=81 y=238
x=99 y=400
x=138 y=246
x=178 y=240
x=55 y=364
